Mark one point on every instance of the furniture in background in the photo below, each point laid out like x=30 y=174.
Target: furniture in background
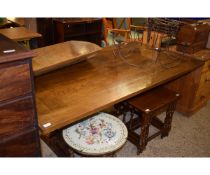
x=11 y=22
x=20 y=34
x=192 y=37
x=59 y=55
x=69 y=95
x=208 y=22
x=106 y=35
x=100 y=135
x=201 y=93
x=19 y=135
x=156 y=32
x=17 y=22
x=162 y=32
x=46 y=29
x=139 y=29
x=84 y=29
x=147 y=107
x=123 y=30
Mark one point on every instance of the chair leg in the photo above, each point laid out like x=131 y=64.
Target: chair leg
x=168 y=120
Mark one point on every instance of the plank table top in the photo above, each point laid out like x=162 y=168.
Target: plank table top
x=19 y=33
x=75 y=92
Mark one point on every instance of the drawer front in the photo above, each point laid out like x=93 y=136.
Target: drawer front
x=16 y=117
x=206 y=80
x=15 y=81
x=25 y=145
x=206 y=66
x=203 y=92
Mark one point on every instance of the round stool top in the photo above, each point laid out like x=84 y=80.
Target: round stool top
x=98 y=135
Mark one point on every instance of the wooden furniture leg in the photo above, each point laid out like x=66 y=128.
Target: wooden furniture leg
x=168 y=120
x=147 y=106
x=146 y=119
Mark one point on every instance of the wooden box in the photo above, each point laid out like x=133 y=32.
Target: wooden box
x=192 y=37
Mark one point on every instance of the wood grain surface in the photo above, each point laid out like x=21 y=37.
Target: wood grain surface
x=19 y=134
x=77 y=91
x=17 y=117
x=202 y=55
x=11 y=87
x=60 y=55
x=19 y=51
x=19 y=33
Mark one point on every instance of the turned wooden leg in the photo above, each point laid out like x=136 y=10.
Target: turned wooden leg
x=131 y=119
x=146 y=118
x=114 y=154
x=121 y=109
x=71 y=152
x=168 y=120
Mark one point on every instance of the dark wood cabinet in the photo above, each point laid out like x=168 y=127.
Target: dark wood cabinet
x=85 y=29
x=19 y=135
x=45 y=27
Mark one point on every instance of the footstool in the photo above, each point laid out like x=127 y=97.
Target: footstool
x=100 y=135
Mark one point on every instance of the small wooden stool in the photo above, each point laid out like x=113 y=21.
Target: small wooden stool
x=147 y=106
x=100 y=135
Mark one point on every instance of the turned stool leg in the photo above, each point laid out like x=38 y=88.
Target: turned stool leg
x=71 y=152
x=146 y=119
x=168 y=120
x=131 y=118
x=121 y=108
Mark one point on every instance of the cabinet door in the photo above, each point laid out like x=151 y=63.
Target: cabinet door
x=45 y=27
x=16 y=117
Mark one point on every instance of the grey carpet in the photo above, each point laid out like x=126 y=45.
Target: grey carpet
x=189 y=137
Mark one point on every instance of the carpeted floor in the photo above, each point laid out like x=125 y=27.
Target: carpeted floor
x=189 y=137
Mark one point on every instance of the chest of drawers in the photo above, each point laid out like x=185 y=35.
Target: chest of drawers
x=203 y=92
x=18 y=120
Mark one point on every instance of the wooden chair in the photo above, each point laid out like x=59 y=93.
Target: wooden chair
x=101 y=135
x=124 y=30
x=147 y=106
x=155 y=39
x=106 y=27
x=138 y=29
x=133 y=29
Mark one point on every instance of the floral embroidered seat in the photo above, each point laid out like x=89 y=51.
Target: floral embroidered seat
x=100 y=135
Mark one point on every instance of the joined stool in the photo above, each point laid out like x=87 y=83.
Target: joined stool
x=147 y=106
x=100 y=135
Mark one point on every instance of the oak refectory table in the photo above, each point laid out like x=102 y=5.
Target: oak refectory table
x=72 y=93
